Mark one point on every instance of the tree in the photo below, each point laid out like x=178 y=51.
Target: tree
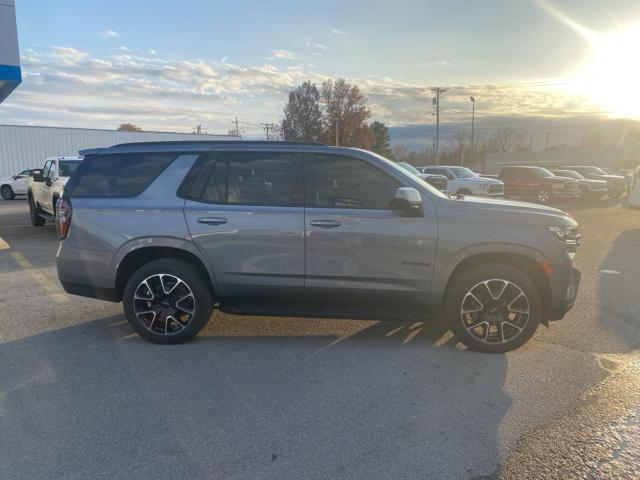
x=399 y=152
x=345 y=114
x=381 y=139
x=302 y=116
x=128 y=127
x=504 y=140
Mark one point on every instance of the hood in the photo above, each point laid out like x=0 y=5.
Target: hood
x=548 y=215
x=6 y=179
x=557 y=179
x=592 y=181
x=482 y=180
x=609 y=177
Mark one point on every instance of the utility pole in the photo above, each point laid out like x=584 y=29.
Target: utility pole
x=546 y=141
x=337 y=133
x=473 y=129
x=438 y=91
x=267 y=126
x=530 y=142
x=237 y=128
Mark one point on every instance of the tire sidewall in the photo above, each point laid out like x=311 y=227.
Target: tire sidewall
x=7 y=192
x=200 y=288
x=480 y=273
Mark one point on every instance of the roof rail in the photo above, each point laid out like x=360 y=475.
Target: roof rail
x=216 y=142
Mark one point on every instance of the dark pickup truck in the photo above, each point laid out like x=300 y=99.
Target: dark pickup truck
x=616 y=184
x=537 y=183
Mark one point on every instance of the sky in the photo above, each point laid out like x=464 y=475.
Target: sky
x=169 y=65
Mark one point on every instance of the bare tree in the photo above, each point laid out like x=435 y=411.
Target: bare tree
x=399 y=152
x=504 y=140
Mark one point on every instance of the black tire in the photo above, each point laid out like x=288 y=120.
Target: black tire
x=615 y=195
x=174 y=331
x=464 y=191
x=471 y=280
x=36 y=220
x=7 y=192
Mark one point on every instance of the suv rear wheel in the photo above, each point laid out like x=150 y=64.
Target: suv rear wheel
x=493 y=308
x=167 y=301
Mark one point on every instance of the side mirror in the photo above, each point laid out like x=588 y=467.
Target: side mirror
x=37 y=175
x=15 y=177
x=408 y=200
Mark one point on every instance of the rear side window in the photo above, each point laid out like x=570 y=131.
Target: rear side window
x=255 y=178
x=120 y=175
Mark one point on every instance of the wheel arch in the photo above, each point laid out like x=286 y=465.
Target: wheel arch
x=531 y=265
x=129 y=260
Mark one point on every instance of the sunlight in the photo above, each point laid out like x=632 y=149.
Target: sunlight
x=612 y=72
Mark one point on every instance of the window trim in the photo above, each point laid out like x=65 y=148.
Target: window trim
x=350 y=158
x=208 y=164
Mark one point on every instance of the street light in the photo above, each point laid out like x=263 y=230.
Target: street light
x=473 y=127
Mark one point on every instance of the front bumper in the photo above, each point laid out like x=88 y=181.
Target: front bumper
x=562 y=303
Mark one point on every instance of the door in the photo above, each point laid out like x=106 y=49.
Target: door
x=246 y=213
x=360 y=252
x=40 y=188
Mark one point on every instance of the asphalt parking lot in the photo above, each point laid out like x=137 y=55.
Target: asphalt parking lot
x=81 y=396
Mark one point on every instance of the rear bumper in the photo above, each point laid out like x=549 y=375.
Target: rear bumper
x=86 y=273
x=564 y=295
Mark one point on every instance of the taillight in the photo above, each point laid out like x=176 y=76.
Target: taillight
x=63 y=217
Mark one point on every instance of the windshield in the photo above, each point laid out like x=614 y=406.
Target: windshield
x=410 y=168
x=67 y=167
x=462 y=172
x=568 y=174
x=543 y=172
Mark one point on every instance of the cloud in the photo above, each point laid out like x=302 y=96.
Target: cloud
x=336 y=31
x=283 y=54
x=319 y=46
x=109 y=34
x=68 y=87
x=152 y=52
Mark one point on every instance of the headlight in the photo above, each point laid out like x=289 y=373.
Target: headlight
x=568 y=235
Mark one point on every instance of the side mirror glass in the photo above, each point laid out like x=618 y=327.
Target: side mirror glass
x=37 y=175
x=408 y=200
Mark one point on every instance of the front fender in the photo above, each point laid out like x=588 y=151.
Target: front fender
x=445 y=268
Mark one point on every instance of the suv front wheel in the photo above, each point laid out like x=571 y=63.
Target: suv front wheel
x=493 y=308
x=167 y=301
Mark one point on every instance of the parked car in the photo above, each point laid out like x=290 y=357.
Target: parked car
x=616 y=184
x=284 y=228
x=537 y=183
x=45 y=187
x=588 y=188
x=438 y=181
x=14 y=185
x=463 y=181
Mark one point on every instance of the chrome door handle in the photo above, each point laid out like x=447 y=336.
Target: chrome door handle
x=212 y=220
x=325 y=223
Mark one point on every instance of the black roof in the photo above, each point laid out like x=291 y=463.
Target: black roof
x=187 y=146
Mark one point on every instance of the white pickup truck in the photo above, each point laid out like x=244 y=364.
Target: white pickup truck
x=463 y=181
x=46 y=185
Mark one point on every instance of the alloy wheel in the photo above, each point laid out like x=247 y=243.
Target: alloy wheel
x=544 y=196
x=495 y=311
x=164 y=304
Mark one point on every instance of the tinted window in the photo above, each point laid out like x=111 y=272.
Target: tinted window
x=45 y=170
x=343 y=182
x=260 y=178
x=25 y=173
x=67 y=168
x=120 y=175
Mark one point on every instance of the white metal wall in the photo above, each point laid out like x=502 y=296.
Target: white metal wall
x=27 y=147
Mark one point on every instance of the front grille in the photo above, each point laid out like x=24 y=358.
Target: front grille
x=497 y=188
x=571 y=189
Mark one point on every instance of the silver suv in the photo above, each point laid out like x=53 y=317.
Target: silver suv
x=301 y=229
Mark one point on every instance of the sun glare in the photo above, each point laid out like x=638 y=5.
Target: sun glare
x=611 y=75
